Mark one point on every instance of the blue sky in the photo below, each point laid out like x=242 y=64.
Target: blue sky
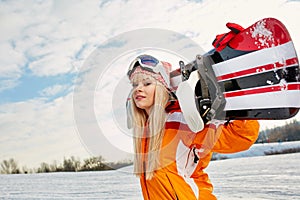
x=29 y=86
x=45 y=44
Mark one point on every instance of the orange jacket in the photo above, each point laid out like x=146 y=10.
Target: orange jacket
x=184 y=155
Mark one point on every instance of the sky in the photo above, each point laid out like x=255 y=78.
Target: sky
x=63 y=66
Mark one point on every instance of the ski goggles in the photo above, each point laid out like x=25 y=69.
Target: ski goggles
x=151 y=64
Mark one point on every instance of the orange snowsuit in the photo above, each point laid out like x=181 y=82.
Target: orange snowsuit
x=184 y=155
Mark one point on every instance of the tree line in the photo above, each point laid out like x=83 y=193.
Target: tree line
x=289 y=132
x=71 y=164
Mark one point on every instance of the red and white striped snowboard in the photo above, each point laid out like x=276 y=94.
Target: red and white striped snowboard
x=256 y=69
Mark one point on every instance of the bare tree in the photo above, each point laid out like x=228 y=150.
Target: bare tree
x=9 y=167
x=71 y=164
x=94 y=163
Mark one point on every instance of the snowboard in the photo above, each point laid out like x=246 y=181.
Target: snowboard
x=251 y=73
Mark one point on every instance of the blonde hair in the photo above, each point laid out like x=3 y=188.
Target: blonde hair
x=150 y=128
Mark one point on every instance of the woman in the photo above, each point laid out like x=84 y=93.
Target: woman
x=169 y=157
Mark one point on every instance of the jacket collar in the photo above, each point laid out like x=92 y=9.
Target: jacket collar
x=173 y=106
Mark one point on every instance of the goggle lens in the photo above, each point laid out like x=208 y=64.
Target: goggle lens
x=144 y=61
x=148 y=60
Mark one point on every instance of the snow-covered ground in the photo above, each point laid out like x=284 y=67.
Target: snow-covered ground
x=252 y=175
x=275 y=177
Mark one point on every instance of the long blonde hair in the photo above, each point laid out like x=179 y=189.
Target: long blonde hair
x=151 y=127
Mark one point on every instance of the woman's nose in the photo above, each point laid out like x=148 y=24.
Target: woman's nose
x=139 y=87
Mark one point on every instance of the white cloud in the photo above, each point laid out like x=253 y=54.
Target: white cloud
x=11 y=63
x=12 y=20
x=11 y=60
x=53 y=90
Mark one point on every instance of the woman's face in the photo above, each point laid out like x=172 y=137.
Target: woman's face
x=143 y=91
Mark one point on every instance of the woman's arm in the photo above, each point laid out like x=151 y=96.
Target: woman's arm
x=236 y=136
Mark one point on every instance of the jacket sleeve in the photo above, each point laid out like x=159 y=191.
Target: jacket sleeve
x=236 y=136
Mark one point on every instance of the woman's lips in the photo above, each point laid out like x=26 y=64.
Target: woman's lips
x=139 y=97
